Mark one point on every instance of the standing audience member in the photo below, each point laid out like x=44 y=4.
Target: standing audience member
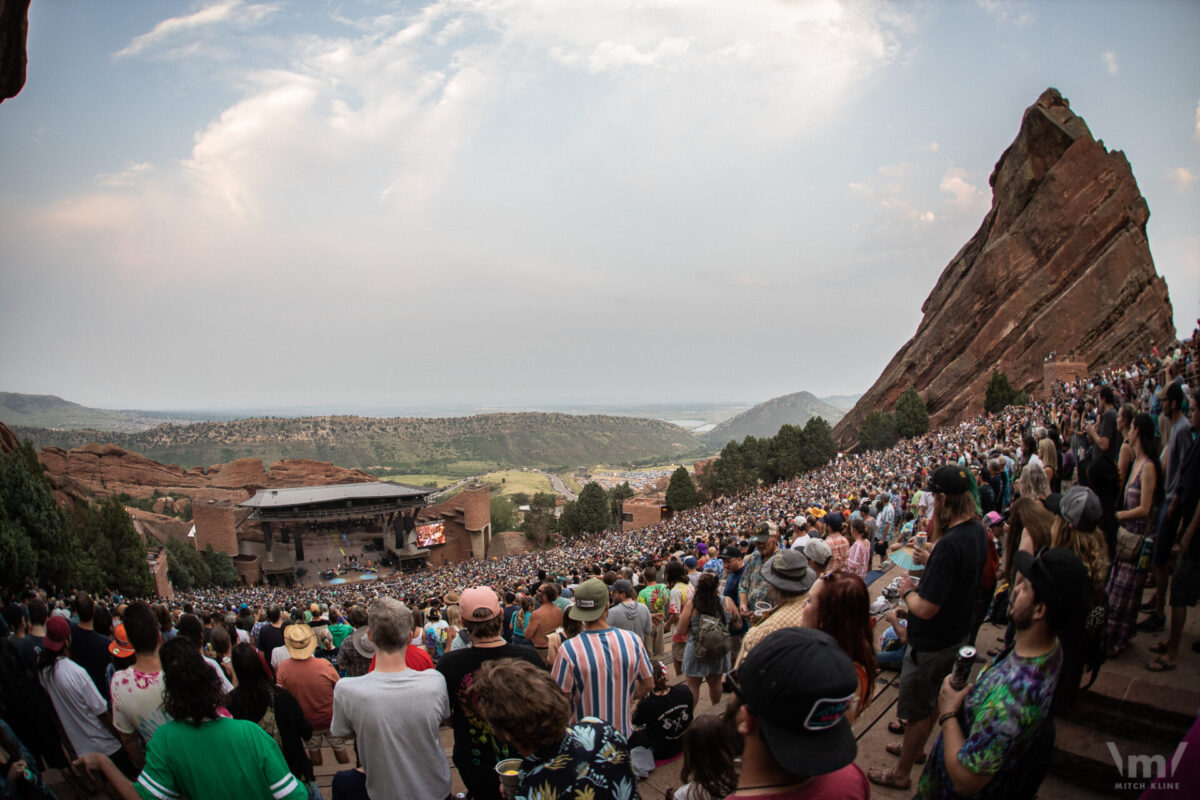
x=137 y=690
x=858 y=562
x=394 y=713
x=940 y=613
x=792 y=693
x=1174 y=451
x=706 y=606
x=752 y=589
x=201 y=754
x=681 y=590
x=312 y=682
x=603 y=670
x=838 y=604
x=528 y=711
x=476 y=748
x=545 y=619
x=837 y=542
x=628 y=614
x=789 y=578
x=996 y=734
x=89 y=648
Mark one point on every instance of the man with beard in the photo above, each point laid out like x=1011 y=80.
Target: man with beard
x=940 y=613
x=996 y=734
x=752 y=589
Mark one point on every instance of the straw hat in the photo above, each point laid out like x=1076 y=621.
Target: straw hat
x=300 y=641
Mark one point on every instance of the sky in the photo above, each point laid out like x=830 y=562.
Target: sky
x=535 y=202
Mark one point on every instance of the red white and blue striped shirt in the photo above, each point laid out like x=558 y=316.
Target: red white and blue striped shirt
x=599 y=671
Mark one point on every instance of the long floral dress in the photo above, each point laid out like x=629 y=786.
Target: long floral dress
x=1128 y=577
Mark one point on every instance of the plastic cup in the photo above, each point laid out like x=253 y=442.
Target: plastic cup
x=509 y=771
x=761 y=608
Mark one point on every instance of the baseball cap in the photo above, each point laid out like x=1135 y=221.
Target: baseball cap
x=624 y=586
x=479 y=604
x=762 y=532
x=690 y=561
x=591 y=600
x=992 y=518
x=120 y=646
x=1080 y=506
x=1059 y=579
x=949 y=479
x=818 y=552
x=300 y=641
x=731 y=551
x=834 y=521
x=798 y=683
x=58 y=630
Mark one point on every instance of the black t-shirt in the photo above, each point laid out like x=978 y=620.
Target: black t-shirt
x=269 y=638
x=476 y=749
x=90 y=651
x=1107 y=427
x=666 y=718
x=951 y=579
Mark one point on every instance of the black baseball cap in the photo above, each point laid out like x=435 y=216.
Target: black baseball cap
x=1059 y=580
x=950 y=479
x=731 y=551
x=834 y=521
x=798 y=683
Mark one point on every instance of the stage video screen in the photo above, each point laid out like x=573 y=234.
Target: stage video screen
x=429 y=535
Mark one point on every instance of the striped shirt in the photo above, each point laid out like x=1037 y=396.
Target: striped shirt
x=599 y=671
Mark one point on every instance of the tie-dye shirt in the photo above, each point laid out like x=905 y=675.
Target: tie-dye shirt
x=1001 y=715
x=592 y=761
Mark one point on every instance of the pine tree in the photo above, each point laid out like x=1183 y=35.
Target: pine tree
x=35 y=522
x=220 y=566
x=681 y=491
x=592 y=509
x=912 y=418
x=878 y=431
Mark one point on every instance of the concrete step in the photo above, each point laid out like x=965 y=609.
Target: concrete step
x=1145 y=711
x=1088 y=759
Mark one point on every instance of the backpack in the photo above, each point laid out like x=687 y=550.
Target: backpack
x=1093 y=646
x=714 y=640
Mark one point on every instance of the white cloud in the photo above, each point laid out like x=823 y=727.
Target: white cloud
x=1110 y=62
x=125 y=177
x=1182 y=177
x=1009 y=12
x=174 y=27
x=962 y=194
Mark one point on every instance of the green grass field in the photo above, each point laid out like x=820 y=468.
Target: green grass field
x=421 y=480
x=515 y=480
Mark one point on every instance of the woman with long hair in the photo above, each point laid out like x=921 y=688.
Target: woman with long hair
x=1125 y=430
x=839 y=605
x=202 y=752
x=708 y=760
x=705 y=602
x=1143 y=494
x=273 y=708
x=570 y=627
x=1048 y=453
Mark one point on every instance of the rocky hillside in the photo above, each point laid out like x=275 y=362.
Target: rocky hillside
x=765 y=419
x=1060 y=264
x=405 y=444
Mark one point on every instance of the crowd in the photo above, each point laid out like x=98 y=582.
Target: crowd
x=552 y=668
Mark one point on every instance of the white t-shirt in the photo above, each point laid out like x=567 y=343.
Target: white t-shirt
x=927 y=501
x=801 y=540
x=79 y=705
x=137 y=701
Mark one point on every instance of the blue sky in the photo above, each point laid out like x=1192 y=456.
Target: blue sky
x=369 y=203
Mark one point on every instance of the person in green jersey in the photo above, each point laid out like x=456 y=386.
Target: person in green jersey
x=180 y=758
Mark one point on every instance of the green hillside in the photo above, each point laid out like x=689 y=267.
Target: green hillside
x=447 y=445
x=50 y=411
x=765 y=419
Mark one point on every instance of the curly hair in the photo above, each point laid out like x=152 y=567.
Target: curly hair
x=1088 y=545
x=191 y=691
x=521 y=701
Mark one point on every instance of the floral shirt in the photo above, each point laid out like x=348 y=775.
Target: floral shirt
x=752 y=585
x=1002 y=714
x=591 y=763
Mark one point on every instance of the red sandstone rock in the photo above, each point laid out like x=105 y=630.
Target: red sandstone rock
x=1060 y=264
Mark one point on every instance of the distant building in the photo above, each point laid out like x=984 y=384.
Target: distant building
x=642 y=512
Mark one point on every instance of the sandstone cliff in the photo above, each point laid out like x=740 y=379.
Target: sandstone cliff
x=1060 y=264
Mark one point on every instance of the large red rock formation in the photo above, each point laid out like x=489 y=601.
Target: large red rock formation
x=105 y=469
x=1060 y=264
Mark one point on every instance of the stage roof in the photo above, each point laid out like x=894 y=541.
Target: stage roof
x=313 y=495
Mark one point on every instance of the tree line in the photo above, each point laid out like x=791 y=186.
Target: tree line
x=92 y=546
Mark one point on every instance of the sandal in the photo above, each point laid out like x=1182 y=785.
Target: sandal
x=1160 y=664
x=897 y=727
x=885 y=777
x=1158 y=647
x=896 y=748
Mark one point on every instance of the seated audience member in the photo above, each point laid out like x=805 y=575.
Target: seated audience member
x=663 y=716
x=996 y=733
x=527 y=710
x=708 y=761
x=200 y=753
x=792 y=694
x=893 y=641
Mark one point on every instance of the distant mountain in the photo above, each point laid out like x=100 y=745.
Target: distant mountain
x=448 y=445
x=765 y=419
x=843 y=401
x=49 y=411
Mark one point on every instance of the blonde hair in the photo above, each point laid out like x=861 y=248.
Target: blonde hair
x=1048 y=454
x=1088 y=545
x=454 y=616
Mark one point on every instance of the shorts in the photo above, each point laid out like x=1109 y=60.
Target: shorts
x=1164 y=540
x=325 y=739
x=921 y=680
x=1185 y=583
x=677 y=651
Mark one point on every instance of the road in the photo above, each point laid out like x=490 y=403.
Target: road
x=560 y=486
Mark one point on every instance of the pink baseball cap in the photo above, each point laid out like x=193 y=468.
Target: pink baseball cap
x=479 y=604
x=992 y=518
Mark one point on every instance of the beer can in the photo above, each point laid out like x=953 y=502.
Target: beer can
x=962 y=667
x=921 y=538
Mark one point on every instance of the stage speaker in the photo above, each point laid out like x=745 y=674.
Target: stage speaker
x=378 y=542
